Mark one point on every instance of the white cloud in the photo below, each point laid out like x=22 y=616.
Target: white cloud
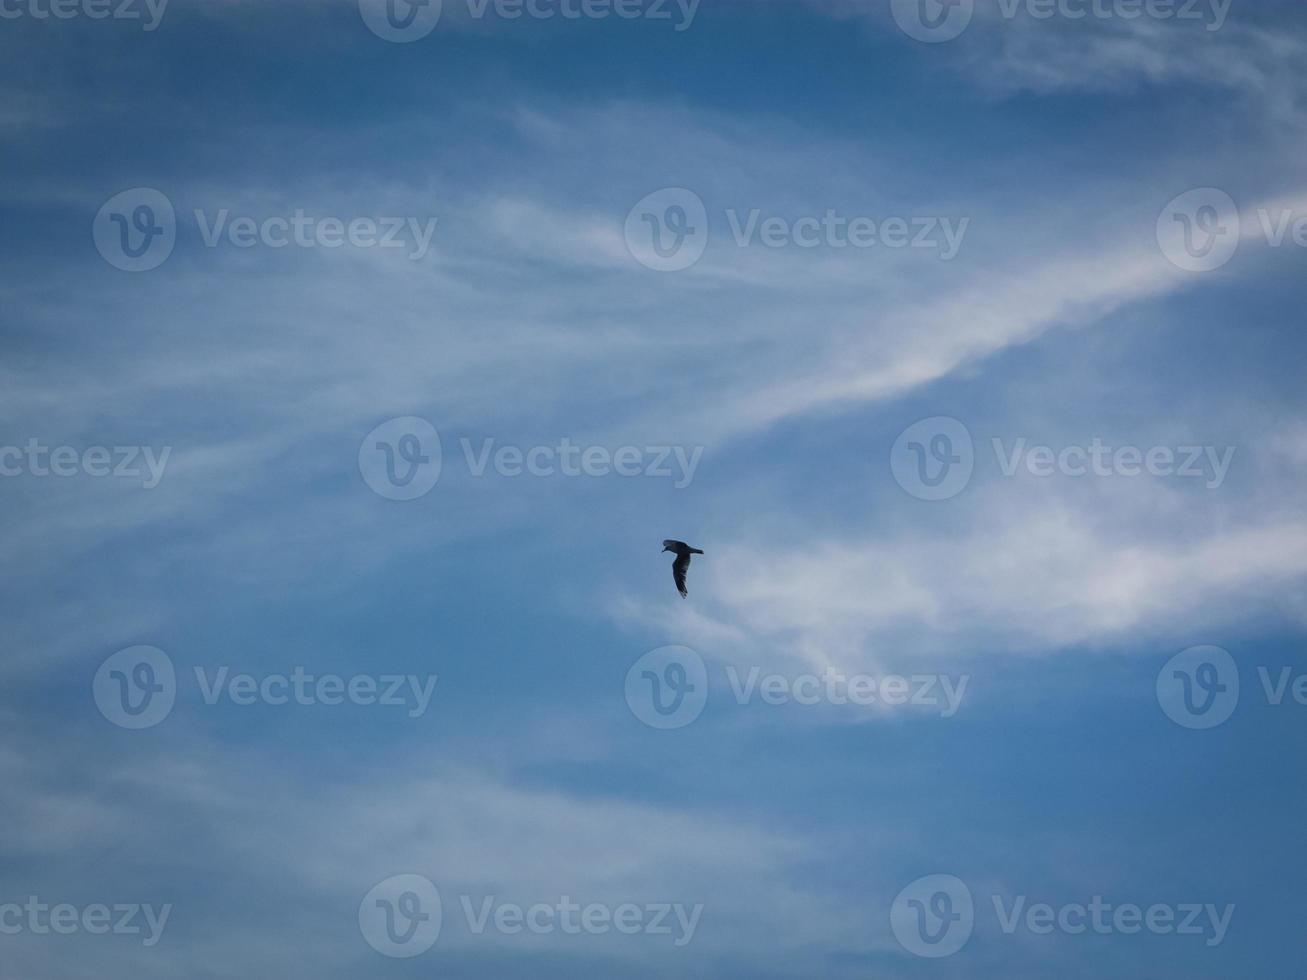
x=1034 y=571
x=471 y=832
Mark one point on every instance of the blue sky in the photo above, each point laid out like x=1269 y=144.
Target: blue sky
x=780 y=402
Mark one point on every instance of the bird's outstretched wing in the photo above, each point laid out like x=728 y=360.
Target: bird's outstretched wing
x=679 y=568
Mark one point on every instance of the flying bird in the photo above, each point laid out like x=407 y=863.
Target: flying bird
x=682 y=564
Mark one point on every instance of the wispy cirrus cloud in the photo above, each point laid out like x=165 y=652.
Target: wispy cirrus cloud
x=1031 y=578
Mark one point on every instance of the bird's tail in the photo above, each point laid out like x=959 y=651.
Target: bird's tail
x=695 y=551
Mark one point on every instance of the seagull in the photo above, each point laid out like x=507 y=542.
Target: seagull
x=682 y=564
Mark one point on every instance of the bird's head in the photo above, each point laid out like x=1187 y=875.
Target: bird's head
x=667 y=547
